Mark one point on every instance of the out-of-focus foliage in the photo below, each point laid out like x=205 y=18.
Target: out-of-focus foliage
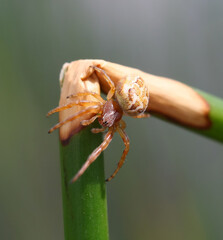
x=171 y=185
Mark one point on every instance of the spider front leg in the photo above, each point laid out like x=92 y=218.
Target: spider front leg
x=107 y=139
x=108 y=80
x=125 y=152
x=97 y=96
x=82 y=103
x=106 y=77
x=93 y=109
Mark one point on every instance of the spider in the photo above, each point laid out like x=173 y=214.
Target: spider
x=130 y=96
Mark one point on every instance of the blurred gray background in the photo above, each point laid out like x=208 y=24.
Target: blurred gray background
x=171 y=186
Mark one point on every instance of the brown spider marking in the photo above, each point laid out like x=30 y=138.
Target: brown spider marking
x=131 y=98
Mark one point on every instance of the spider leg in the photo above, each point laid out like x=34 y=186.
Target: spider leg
x=89 y=121
x=97 y=130
x=142 y=115
x=97 y=96
x=107 y=139
x=125 y=152
x=93 y=109
x=108 y=80
x=122 y=124
x=70 y=105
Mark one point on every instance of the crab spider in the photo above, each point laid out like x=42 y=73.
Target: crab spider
x=130 y=96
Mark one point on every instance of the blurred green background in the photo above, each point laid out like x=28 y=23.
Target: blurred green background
x=171 y=186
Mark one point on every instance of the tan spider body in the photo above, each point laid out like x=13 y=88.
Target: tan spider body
x=131 y=98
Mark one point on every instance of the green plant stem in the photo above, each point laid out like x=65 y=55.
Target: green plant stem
x=216 y=116
x=84 y=202
x=215 y=130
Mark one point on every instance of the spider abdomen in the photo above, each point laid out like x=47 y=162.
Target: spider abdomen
x=132 y=95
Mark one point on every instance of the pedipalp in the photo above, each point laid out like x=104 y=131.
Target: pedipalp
x=89 y=121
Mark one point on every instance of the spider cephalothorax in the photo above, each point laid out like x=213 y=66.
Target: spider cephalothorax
x=130 y=96
x=111 y=114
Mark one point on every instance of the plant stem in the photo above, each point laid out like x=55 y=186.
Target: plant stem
x=84 y=202
x=216 y=116
x=173 y=101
